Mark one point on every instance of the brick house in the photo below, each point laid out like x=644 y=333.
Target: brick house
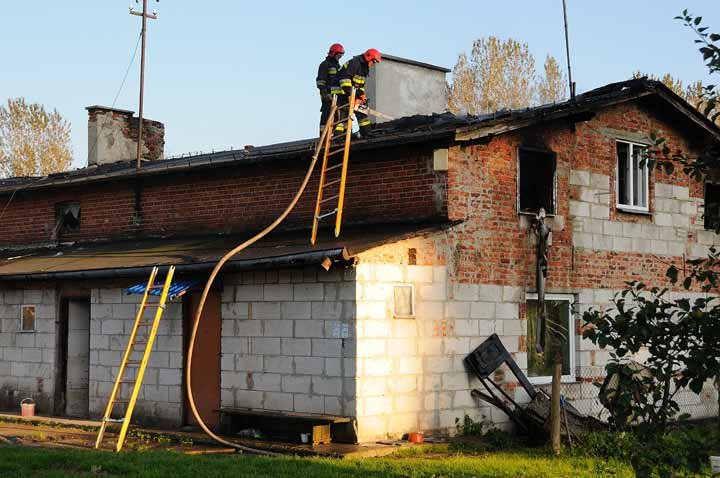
x=436 y=254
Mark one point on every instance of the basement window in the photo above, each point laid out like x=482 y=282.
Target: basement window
x=559 y=337
x=711 y=215
x=27 y=318
x=403 y=302
x=632 y=177
x=67 y=218
x=536 y=181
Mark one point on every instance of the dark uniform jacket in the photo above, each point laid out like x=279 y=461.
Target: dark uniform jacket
x=354 y=73
x=327 y=78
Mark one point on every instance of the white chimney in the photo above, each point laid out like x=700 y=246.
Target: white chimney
x=112 y=136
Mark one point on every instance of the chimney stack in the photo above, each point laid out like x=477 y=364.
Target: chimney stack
x=400 y=87
x=112 y=136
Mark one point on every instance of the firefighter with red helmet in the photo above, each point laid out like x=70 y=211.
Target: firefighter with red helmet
x=354 y=73
x=326 y=81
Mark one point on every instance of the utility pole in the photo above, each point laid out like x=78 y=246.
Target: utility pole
x=567 y=52
x=145 y=15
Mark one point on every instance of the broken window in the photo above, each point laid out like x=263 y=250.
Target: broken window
x=403 y=302
x=67 y=218
x=711 y=215
x=536 y=181
x=559 y=337
x=632 y=176
x=27 y=318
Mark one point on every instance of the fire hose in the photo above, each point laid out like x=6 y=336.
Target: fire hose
x=209 y=284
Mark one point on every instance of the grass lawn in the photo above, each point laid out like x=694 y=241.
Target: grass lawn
x=435 y=462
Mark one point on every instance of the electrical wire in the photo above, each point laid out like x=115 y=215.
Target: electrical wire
x=211 y=280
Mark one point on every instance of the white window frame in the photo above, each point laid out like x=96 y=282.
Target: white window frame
x=570 y=299
x=631 y=179
x=412 y=301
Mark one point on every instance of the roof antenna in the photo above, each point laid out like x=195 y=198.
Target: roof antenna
x=567 y=51
x=145 y=15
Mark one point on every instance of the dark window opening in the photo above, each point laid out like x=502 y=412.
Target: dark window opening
x=711 y=215
x=67 y=218
x=537 y=181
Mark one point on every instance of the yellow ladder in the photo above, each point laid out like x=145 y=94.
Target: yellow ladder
x=141 y=364
x=332 y=145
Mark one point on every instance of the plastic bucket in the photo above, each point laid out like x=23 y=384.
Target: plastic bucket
x=27 y=407
x=715 y=464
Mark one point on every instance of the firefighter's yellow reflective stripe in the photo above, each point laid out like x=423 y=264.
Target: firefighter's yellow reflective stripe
x=332 y=71
x=340 y=127
x=336 y=91
x=364 y=122
x=320 y=82
x=359 y=79
x=345 y=82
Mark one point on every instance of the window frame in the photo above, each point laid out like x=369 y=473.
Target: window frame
x=34 y=323
x=532 y=149
x=412 y=301
x=630 y=207
x=570 y=299
x=705 y=203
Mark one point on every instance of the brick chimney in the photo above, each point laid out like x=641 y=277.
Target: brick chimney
x=400 y=87
x=112 y=136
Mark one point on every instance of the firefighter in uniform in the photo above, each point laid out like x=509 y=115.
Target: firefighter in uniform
x=353 y=74
x=326 y=81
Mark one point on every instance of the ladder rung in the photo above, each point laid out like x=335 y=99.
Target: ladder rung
x=333 y=153
x=330 y=183
x=113 y=420
x=330 y=198
x=162 y=306
x=323 y=216
x=133 y=362
x=127 y=381
x=333 y=167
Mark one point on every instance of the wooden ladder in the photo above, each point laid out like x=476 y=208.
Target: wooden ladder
x=333 y=145
x=138 y=365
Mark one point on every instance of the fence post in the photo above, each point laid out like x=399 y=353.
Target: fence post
x=555 y=405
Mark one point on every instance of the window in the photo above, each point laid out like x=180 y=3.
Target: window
x=632 y=177
x=711 y=215
x=27 y=318
x=536 y=181
x=559 y=336
x=67 y=218
x=403 y=302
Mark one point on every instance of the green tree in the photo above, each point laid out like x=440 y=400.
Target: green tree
x=33 y=141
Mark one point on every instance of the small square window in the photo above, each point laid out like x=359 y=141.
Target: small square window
x=27 y=318
x=536 y=181
x=559 y=337
x=403 y=302
x=711 y=216
x=632 y=177
x=67 y=218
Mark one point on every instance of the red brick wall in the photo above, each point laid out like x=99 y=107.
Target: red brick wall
x=397 y=186
x=492 y=246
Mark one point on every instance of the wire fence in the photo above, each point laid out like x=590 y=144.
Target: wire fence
x=583 y=395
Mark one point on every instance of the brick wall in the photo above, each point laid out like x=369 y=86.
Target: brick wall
x=230 y=200
x=27 y=359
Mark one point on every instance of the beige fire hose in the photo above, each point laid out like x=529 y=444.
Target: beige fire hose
x=209 y=284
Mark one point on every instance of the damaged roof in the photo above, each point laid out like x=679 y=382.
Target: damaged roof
x=200 y=254
x=436 y=128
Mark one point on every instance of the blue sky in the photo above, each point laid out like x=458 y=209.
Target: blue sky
x=230 y=73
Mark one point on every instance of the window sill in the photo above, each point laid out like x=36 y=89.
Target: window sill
x=633 y=210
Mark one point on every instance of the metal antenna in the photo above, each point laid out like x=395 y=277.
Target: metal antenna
x=145 y=15
x=567 y=52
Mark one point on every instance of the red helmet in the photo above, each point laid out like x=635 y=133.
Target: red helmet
x=336 y=48
x=372 y=56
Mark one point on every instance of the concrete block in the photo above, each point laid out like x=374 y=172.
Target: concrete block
x=600 y=211
x=249 y=293
x=113 y=327
x=387 y=273
x=579 y=177
x=266 y=346
x=333 y=367
x=375 y=328
x=466 y=328
x=663 y=190
x=602 y=243
x=170 y=377
x=249 y=399
x=410 y=365
x=249 y=363
x=680 y=220
x=267 y=382
x=110 y=296
x=457 y=310
x=513 y=294
x=403 y=384
x=490 y=293
x=631 y=229
x=663 y=219
x=327 y=310
x=333 y=406
x=278 y=401
x=376 y=367
x=439 y=274
x=600 y=181
x=292 y=346
x=327 y=347
x=266 y=310
x=371 y=348
x=295 y=384
x=465 y=292
x=622 y=244
x=309 y=365
x=587 y=195
x=658 y=247
x=100 y=311
x=326 y=386
x=612 y=228
x=579 y=209
x=641 y=246
x=32 y=354
x=419 y=274
x=249 y=328
x=482 y=310
x=456 y=345
x=582 y=239
x=309 y=328
x=455 y=381
x=308 y=403
x=676 y=248
x=279 y=364
x=296 y=310
x=680 y=192
x=234 y=310
x=429 y=310
x=277 y=328
x=513 y=327
x=307 y=292
x=506 y=310
x=376 y=291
